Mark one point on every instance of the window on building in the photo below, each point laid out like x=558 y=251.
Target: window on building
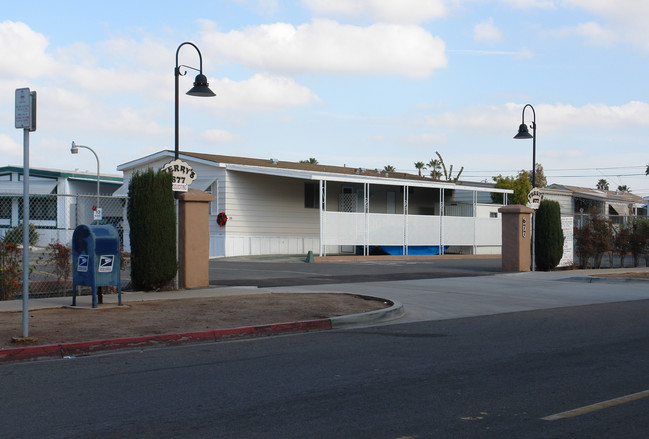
x=214 y=205
x=40 y=208
x=311 y=195
x=5 y=208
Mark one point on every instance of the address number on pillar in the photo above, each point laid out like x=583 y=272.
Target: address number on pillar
x=524 y=227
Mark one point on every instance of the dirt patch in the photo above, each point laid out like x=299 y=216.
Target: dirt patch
x=65 y=325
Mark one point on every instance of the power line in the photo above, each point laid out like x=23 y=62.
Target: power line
x=545 y=171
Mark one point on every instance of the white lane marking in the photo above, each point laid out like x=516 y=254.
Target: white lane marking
x=599 y=406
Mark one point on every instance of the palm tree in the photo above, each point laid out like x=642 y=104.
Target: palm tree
x=623 y=188
x=420 y=166
x=389 y=168
x=435 y=167
x=602 y=184
x=449 y=175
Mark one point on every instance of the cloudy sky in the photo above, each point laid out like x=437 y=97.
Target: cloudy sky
x=363 y=83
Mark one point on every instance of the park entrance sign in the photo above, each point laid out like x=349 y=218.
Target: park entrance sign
x=534 y=197
x=183 y=175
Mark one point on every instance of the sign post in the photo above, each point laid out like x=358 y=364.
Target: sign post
x=183 y=176
x=25 y=120
x=535 y=196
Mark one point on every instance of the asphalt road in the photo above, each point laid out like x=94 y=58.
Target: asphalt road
x=496 y=376
x=276 y=271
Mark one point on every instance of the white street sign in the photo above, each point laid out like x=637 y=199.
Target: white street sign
x=23 y=108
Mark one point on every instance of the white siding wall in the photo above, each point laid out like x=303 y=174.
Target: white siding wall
x=485 y=210
x=349 y=229
x=267 y=216
x=565 y=201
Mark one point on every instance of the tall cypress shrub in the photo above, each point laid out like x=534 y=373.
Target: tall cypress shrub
x=152 y=220
x=549 y=237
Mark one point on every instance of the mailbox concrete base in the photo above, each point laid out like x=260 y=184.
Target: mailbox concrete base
x=194 y=239
x=516 y=237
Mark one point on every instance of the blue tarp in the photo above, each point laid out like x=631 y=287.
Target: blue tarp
x=397 y=250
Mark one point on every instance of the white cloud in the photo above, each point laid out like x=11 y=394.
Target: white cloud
x=529 y=4
x=264 y=7
x=565 y=154
x=592 y=32
x=487 y=32
x=220 y=136
x=549 y=117
x=425 y=139
x=260 y=93
x=22 y=52
x=624 y=18
x=524 y=53
x=563 y=116
x=10 y=150
x=384 y=11
x=325 y=46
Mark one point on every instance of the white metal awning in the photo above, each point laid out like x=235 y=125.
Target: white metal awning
x=201 y=183
x=122 y=190
x=35 y=187
x=325 y=176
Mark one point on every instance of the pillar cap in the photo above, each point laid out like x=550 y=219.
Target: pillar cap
x=196 y=195
x=515 y=208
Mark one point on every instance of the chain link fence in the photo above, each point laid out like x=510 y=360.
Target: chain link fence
x=53 y=219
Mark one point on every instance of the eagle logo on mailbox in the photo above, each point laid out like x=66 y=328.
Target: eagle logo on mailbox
x=82 y=264
x=106 y=263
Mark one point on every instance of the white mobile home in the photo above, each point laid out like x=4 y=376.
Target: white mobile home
x=58 y=200
x=583 y=202
x=276 y=207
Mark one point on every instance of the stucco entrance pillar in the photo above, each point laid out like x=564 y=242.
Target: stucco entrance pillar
x=517 y=237
x=194 y=239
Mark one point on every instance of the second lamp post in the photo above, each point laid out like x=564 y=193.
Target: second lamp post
x=201 y=86
x=524 y=133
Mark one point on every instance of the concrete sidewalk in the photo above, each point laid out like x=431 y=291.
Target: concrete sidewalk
x=449 y=298
x=431 y=299
x=414 y=300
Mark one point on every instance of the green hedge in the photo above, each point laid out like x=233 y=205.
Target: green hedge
x=152 y=222
x=549 y=237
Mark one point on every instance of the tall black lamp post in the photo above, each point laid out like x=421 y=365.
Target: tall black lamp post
x=201 y=87
x=523 y=133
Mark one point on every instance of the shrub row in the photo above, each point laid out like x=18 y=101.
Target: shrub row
x=600 y=236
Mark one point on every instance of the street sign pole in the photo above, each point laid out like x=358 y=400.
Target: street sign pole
x=25 y=232
x=25 y=119
x=535 y=196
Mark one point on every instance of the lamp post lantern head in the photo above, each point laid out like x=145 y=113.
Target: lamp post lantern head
x=201 y=87
x=523 y=132
x=74 y=149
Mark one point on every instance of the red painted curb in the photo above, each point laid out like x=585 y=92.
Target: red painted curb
x=88 y=347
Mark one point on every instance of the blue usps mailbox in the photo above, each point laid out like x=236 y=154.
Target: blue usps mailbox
x=95 y=259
